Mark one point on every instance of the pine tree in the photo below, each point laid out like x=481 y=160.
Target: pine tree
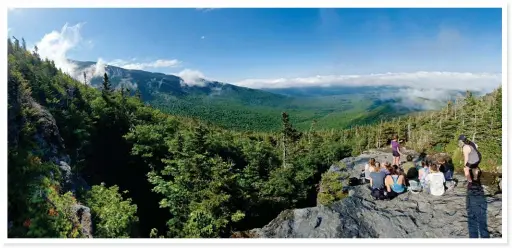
x=23 y=44
x=10 y=48
x=289 y=136
x=138 y=94
x=16 y=44
x=107 y=87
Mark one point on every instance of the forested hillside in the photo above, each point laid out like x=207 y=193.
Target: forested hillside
x=144 y=173
x=244 y=109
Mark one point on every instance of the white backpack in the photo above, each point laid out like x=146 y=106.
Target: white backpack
x=414 y=187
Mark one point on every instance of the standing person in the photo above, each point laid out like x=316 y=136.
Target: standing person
x=395 y=146
x=472 y=158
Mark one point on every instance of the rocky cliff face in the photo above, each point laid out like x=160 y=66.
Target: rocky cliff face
x=461 y=213
x=50 y=147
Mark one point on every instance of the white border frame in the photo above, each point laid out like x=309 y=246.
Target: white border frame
x=247 y=4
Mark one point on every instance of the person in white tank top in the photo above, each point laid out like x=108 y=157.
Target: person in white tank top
x=435 y=180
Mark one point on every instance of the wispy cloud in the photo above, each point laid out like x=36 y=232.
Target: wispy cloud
x=192 y=77
x=202 y=37
x=440 y=80
x=416 y=90
x=206 y=9
x=132 y=65
x=56 y=45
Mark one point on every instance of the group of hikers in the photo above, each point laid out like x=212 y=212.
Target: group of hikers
x=388 y=180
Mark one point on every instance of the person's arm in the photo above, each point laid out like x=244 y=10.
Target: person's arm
x=371 y=182
x=386 y=182
x=403 y=179
x=466 y=150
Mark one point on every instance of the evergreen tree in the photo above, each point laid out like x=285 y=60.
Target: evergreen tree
x=23 y=44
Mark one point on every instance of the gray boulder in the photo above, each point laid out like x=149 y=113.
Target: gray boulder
x=461 y=212
x=84 y=218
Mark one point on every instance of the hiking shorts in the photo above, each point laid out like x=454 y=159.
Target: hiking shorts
x=391 y=195
x=472 y=166
x=396 y=154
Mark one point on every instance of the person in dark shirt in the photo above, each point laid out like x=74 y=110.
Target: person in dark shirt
x=377 y=179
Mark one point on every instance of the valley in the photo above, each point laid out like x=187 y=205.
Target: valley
x=245 y=109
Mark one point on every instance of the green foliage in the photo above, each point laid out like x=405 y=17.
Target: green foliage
x=113 y=216
x=190 y=178
x=331 y=188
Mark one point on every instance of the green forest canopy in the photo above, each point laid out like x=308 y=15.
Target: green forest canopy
x=168 y=176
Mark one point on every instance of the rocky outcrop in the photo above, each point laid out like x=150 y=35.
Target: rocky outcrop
x=461 y=213
x=84 y=217
x=50 y=148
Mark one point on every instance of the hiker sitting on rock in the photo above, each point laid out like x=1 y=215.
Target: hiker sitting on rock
x=386 y=168
x=410 y=169
x=377 y=184
x=395 y=183
x=435 y=180
x=472 y=158
x=368 y=169
x=423 y=172
x=446 y=168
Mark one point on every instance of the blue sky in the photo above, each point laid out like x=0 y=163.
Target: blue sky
x=233 y=45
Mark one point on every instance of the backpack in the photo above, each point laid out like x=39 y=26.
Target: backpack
x=414 y=186
x=353 y=181
x=378 y=194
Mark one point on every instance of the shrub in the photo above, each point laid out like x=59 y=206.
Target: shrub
x=113 y=216
x=331 y=188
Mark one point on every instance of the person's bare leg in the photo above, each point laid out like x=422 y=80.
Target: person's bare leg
x=476 y=172
x=466 y=173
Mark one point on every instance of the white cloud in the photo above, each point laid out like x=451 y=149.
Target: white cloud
x=206 y=9
x=192 y=77
x=440 y=80
x=131 y=65
x=418 y=90
x=55 y=46
x=127 y=84
x=95 y=70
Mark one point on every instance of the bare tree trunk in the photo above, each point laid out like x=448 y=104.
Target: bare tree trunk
x=284 y=152
x=408 y=131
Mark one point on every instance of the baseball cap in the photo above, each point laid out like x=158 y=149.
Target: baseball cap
x=462 y=137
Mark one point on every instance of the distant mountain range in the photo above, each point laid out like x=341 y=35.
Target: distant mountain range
x=243 y=108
